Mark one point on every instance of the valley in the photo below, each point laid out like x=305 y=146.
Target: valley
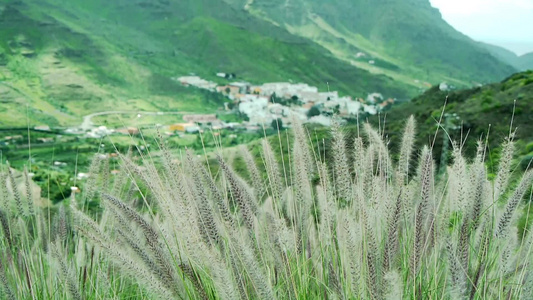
x=264 y=149
x=86 y=73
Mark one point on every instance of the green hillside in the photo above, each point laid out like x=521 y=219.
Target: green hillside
x=475 y=110
x=523 y=62
x=526 y=61
x=407 y=40
x=68 y=59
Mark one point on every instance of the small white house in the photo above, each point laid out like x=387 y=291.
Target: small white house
x=192 y=129
x=320 y=119
x=346 y=105
x=255 y=110
x=370 y=109
x=374 y=97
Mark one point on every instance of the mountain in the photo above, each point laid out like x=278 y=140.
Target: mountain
x=70 y=58
x=523 y=62
x=405 y=39
x=61 y=60
x=526 y=61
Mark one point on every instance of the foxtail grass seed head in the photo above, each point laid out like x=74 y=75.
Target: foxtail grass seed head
x=357 y=223
x=406 y=149
x=272 y=171
x=253 y=170
x=5 y=287
x=512 y=204
x=15 y=190
x=504 y=168
x=341 y=171
x=29 y=193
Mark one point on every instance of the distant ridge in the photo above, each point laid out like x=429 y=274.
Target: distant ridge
x=520 y=62
x=404 y=37
x=66 y=59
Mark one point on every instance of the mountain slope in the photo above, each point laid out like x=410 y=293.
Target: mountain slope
x=476 y=110
x=523 y=62
x=408 y=37
x=67 y=59
x=526 y=61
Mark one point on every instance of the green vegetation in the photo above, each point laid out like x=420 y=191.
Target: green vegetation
x=359 y=225
x=324 y=213
x=478 y=111
x=313 y=111
x=523 y=62
x=60 y=61
x=57 y=160
x=407 y=40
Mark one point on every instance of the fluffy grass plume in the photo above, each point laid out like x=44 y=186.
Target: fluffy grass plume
x=357 y=225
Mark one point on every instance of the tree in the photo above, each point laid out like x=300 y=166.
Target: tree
x=314 y=111
x=294 y=100
x=277 y=124
x=337 y=109
x=274 y=98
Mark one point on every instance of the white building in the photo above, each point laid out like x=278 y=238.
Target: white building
x=252 y=98
x=192 y=129
x=346 y=105
x=99 y=132
x=443 y=86
x=286 y=89
x=277 y=110
x=370 y=109
x=374 y=97
x=306 y=97
x=197 y=82
x=300 y=113
x=320 y=119
x=243 y=86
x=256 y=110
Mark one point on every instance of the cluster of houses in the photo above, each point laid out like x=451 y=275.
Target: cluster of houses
x=262 y=104
x=280 y=100
x=102 y=131
x=195 y=123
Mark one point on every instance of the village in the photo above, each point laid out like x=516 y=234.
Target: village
x=258 y=106
x=263 y=104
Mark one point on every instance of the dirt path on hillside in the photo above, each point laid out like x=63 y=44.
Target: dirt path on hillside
x=87 y=123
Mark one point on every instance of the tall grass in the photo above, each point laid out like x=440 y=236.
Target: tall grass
x=357 y=225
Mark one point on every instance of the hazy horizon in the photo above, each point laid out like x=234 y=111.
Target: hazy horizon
x=505 y=23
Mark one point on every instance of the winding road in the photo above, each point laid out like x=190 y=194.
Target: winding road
x=87 y=124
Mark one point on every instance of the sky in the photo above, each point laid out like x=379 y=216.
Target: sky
x=506 y=23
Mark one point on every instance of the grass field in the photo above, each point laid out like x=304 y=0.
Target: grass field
x=353 y=225
x=56 y=162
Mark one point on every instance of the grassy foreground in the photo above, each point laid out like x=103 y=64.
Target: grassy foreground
x=356 y=226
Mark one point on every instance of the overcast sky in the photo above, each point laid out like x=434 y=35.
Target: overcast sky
x=506 y=23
